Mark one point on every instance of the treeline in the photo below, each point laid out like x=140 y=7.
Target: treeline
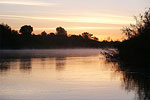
x=136 y=48
x=24 y=39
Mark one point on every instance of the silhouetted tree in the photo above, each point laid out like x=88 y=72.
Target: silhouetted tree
x=26 y=30
x=95 y=38
x=8 y=37
x=87 y=35
x=51 y=34
x=6 y=30
x=61 y=31
x=44 y=34
x=141 y=27
x=137 y=45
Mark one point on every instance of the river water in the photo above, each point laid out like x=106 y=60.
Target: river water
x=61 y=74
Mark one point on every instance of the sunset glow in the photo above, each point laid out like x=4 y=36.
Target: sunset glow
x=102 y=18
x=25 y=3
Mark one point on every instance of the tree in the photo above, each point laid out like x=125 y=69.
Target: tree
x=6 y=31
x=142 y=26
x=43 y=33
x=95 y=38
x=137 y=45
x=5 y=26
x=26 y=30
x=8 y=37
x=61 y=31
x=51 y=34
x=109 y=38
x=87 y=35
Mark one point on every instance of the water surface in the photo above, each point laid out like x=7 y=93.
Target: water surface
x=65 y=74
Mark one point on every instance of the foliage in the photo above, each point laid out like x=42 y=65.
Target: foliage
x=11 y=39
x=26 y=30
x=137 y=45
x=7 y=36
x=43 y=33
x=61 y=31
x=95 y=38
x=87 y=35
x=142 y=26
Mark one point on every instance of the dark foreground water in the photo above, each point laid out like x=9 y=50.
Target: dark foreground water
x=71 y=74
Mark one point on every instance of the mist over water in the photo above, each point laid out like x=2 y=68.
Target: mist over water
x=60 y=74
x=37 y=53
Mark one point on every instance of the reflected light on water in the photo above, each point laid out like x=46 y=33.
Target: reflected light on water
x=60 y=78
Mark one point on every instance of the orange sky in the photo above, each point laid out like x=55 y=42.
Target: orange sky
x=103 y=18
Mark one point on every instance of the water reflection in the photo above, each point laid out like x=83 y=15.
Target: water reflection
x=73 y=77
x=25 y=65
x=60 y=63
x=135 y=78
x=4 y=65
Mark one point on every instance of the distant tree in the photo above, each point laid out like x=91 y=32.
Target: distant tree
x=109 y=38
x=51 y=34
x=11 y=39
x=73 y=36
x=4 y=27
x=87 y=35
x=43 y=33
x=8 y=37
x=26 y=30
x=6 y=30
x=14 y=32
x=95 y=38
x=61 y=31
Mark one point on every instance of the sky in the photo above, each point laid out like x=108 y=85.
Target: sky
x=102 y=18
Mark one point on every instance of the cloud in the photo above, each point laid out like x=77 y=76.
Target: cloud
x=28 y=3
x=81 y=28
x=75 y=19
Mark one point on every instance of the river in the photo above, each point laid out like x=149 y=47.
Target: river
x=61 y=74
